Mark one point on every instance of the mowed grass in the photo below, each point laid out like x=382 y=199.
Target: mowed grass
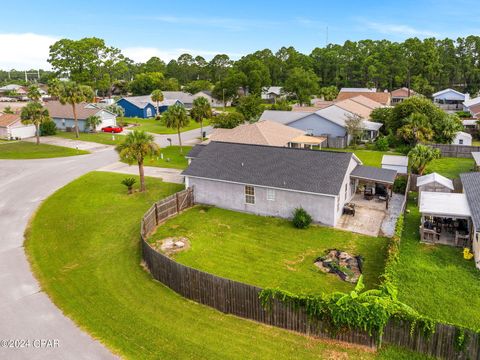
x=267 y=251
x=157 y=126
x=171 y=158
x=435 y=279
x=30 y=150
x=99 y=137
x=88 y=261
x=449 y=167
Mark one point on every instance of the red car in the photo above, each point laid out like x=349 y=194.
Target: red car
x=113 y=129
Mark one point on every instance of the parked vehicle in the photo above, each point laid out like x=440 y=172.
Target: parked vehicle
x=113 y=129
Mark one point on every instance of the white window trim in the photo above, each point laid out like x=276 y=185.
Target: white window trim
x=245 y=194
x=271 y=195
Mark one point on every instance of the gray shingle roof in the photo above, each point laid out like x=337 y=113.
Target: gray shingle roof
x=283 y=117
x=313 y=171
x=471 y=188
x=195 y=151
x=374 y=174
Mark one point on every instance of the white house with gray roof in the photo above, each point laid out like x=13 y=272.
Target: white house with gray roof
x=329 y=122
x=274 y=181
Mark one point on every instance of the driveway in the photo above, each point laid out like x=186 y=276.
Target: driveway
x=26 y=312
x=190 y=137
x=167 y=175
x=74 y=144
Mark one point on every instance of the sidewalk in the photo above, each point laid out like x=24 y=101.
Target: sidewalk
x=74 y=144
x=167 y=175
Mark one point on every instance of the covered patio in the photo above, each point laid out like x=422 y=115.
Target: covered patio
x=373 y=184
x=446 y=219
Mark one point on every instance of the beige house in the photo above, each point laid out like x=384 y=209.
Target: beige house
x=268 y=133
x=11 y=127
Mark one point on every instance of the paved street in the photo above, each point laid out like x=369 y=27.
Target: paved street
x=25 y=311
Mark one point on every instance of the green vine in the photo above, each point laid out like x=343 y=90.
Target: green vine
x=461 y=339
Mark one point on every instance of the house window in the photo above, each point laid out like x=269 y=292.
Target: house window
x=249 y=194
x=149 y=112
x=309 y=132
x=270 y=195
x=460 y=141
x=346 y=191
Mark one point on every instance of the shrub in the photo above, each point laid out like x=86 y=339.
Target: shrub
x=301 y=219
x=48 y=128
x=129 y=182
x=400 y=185
x=382 y=144
x=464 y=114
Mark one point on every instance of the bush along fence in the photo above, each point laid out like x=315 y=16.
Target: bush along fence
x=362 y=317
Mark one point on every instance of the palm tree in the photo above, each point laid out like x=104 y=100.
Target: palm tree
x=93 y=121
x=416 y=129
x=34 y=93
x=176 y=117
x=420 y=156
x=34 y=113
x=72 y=93
x=136 y=146
x=157 y=96
x=201 y=110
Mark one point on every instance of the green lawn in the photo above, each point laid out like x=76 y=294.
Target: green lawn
x=435 y=279
x=156 y=126
x=171 y=158
x=90 y=267
x=449 y=167
x=268 y=252
x=29 y=150
x=100 y=137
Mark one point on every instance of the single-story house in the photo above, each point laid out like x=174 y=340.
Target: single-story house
x=434 y=183
x=355 y=108
x=401 y=94
x=365 y=101
x=476 y=158
x=268 y=133
x=11 y=127
x=470 y=124
x=328 y=122
x=471 y=188
x=395 y=162
x=143 y=106
x=274 y=181
x=19 y=89
x=187 y=99
x=472 y=105
x=450 y=99
x=383 y=98
x=62 y=115
x=462 y=138
x=272 y=93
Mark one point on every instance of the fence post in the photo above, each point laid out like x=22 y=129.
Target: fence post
x=178 y=205
x=156 y=214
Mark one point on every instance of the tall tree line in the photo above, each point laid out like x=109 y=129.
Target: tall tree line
x=426 y=65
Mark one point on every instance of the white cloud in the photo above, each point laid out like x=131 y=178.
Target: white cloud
x=398 y=29
x=142 y=54
x=25 y=51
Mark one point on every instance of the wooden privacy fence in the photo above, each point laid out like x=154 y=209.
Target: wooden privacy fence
x=457 y=151
x=166 y=208
x=236 y=298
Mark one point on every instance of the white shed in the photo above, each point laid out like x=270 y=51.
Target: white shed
x=462 y=138
x=434 y=183
x=395 y=162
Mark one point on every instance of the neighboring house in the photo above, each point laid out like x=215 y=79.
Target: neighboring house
x=62 y=115
x=365 y=101
x=462 y=138
x=395 y=162
x=266 y=133
x=472 y=106
x=470 y=124
x=328 y=122
x=215 y=103
x=187 y=99
x=471 y=188
x=272 y=93
x=143 y=106
x=401 y=94
x=383 y=98
x=11 y=127
x=274 y=181
x=450 y=99
x=19 y=89
x=355 y=108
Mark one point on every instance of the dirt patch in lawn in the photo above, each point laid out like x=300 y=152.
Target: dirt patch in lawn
x=172 y=245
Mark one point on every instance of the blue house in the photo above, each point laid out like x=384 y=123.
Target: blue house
x=143 y=106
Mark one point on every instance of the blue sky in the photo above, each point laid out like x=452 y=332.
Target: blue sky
x=144 y=28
